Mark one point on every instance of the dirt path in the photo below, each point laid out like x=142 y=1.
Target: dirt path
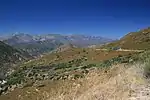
x=126 y=50
x=130 y=50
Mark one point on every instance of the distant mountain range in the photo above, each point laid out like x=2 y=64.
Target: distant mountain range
x=38 y=44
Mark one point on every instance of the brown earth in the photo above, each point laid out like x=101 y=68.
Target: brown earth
x=59 y=87
x=92 y=55
x=121 y=82
x=133 y=40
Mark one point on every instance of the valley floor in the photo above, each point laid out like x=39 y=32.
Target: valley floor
x=120 y=82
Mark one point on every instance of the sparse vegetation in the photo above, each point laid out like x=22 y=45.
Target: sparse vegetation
x=145 y=58
x=84 y=50
x=139 y=40
x=72 y=65
x=147 y=68
x=56 y=71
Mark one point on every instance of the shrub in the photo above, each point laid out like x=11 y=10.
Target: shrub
x=147 y=68
x=57 y=56
x=109 y=49
x=143 y=56
x=88 y=66
x=61 y=66
x=15 y=80
x=76 y=76
x=16 y=77
x=84 y=50
x=119 y=55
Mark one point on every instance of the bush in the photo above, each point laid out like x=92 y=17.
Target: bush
x=57 y=56
x=147 y=68
x=88 y=66
x=143 y=56
x=76 y=76
x=61 y=66
x=84 y=50
x=109 y=49
x=15 y=80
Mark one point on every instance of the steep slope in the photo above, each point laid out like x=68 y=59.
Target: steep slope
x=134 y=40
x=10 y=56
x=39 y=47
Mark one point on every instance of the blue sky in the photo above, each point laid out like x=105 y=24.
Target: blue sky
x=108 y=18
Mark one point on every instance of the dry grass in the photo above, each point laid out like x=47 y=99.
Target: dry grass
x=116 y=84
x=133 y=40
x=92 y=55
